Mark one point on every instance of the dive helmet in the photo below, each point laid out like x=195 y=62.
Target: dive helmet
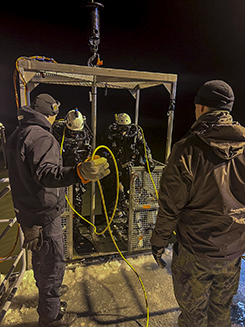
x=123 y=119
x=74 y=120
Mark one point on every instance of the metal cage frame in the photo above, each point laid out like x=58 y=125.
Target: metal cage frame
x=34 y=72
x=16 y=259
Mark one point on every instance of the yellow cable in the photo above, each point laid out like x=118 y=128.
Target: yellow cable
x=148 y=167
x=109 y=223
x=128 y=263
x=102 y=196
x=22 y=77
x=147 y=162
x=63 y=139
x=101 y=191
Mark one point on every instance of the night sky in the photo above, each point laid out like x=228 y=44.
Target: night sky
x=197 y=40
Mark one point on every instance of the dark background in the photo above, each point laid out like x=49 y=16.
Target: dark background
x=198 y=40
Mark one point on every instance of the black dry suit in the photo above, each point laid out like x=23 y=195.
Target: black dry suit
x=202 y=190
x=37 y=177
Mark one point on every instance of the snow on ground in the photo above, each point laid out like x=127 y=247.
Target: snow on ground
x=110 y=294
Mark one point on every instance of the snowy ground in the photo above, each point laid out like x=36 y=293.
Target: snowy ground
x=110 y=294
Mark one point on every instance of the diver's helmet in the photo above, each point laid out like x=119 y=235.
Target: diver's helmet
x=75 y=120
x=123 y=119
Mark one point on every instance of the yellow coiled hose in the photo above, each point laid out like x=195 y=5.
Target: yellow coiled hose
x=109 y=221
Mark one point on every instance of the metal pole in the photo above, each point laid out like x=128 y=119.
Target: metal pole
x=93 y=127
x=70 y=224
x=28 y=98
x=22 y=90
x=2 y=143
x=137 y=107
x=170 y=115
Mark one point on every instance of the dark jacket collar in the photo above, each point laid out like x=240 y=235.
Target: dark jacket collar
x=28 y=116
x=212 y=117
x=221 y=133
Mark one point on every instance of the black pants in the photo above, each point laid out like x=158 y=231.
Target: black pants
x=49 y=268
x=204 y=289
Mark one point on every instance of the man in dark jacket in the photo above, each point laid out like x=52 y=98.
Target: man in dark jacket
x=37 y=180
x=202 y=199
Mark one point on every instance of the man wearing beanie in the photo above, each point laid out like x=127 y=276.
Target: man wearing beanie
x=38 y=180
x=201 y=198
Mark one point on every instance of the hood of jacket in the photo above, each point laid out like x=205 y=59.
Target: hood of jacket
x=221 y=133
x=28 y=116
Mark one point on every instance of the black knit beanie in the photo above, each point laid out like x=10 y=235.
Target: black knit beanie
x=216 y=94
x=45 y=104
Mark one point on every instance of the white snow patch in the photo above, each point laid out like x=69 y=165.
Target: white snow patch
x=107 y=294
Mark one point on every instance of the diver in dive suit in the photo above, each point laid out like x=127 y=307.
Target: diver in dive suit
x=75 y=136
x=126 y=142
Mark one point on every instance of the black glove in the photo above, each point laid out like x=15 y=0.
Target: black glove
x=157 y=254
x=33 y=237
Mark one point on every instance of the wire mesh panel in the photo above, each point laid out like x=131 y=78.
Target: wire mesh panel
x=67 y=224
x=142 y=225
x=143 y=207
x=142 y=190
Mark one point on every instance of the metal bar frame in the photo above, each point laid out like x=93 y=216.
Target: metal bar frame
x=35 y=72
x=94 y=130
x=21 y=256
x=137 y=105
x=170 y=115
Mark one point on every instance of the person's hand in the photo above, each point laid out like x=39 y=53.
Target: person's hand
x=157 y=254
x=33 y=238
x=94 y=169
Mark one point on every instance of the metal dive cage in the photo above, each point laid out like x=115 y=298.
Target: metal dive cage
x=141 y=215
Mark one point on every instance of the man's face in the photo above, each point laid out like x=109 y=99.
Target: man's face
x=198 y=110
x=51 y=119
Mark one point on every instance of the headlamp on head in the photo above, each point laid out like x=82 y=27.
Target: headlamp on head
x=75 y=120
x=123 y=119
x=55 y=107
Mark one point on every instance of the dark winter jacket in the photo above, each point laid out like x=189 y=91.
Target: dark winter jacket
x=202 y=190
x=37 y=177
